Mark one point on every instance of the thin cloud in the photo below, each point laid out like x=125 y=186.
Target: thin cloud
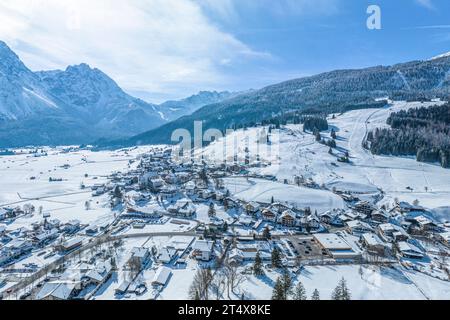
x=426 y=4
x=161 y=46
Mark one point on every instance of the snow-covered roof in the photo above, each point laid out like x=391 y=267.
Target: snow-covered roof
x=359 y=224
x=332 y=241
x=410 y=249
x=372 y=239
x=162 y=276
x=203 y=245
x=59 y=290
x=140 y=252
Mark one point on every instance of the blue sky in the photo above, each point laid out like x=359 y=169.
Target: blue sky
x=168 y=49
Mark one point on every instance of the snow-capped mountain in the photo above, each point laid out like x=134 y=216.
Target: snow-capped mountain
x=176 y=109
x=444 y=55
x=66 y=107
x=21 y=92
x=94 y=95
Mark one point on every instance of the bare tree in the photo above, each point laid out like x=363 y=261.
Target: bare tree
x=234 y=278
x=199 y=289
x=218 y=285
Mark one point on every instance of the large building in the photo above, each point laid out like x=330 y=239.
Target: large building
x=336 y=246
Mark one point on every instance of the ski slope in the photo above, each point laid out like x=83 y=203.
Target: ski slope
x=295 y=153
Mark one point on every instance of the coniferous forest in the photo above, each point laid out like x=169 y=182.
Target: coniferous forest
x=423 y=132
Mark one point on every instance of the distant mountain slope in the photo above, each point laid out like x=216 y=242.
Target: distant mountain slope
x=78 y=105
x=176 y=109
x=334 y=91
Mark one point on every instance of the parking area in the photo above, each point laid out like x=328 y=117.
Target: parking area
x=305 y=247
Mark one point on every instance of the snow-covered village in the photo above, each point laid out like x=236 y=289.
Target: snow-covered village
x=134 y=224
x=212 y=159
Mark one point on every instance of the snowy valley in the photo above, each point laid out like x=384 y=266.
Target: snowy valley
x=257 y=206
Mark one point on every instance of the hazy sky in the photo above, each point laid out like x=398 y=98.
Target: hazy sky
x=164 y=49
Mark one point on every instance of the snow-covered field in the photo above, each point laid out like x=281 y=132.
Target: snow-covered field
x=263 y=191
x=295 y=153
x=24 y=177
x=365 y=283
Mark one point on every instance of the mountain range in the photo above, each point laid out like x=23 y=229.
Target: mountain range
x=82 y=105
x=76 y=106
x=331 y=92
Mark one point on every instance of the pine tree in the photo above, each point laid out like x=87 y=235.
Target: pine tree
x=287 y=284
x=333 y=134
x=299 y=292
x=344 y=290
x=276 y=259
x=225 y=204
x=318 y=136
x=337 y=294
x=341 y=292
x=266 y=233
x=257 y=267
x=212 y=210
x=316 y=295
x=278 y=290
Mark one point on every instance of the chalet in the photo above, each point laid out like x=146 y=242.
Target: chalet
x=72 y=227
x=183 y=208
x=203 y=250
x=141 y=255
x=374 y=244
x=310 y=222
x=405 y=208
x=380 y=216
x=70 y=244
x=99 y=274
x=423 y=224
x=278 y=207
x=327 y=217
x=142 y=213
x=59 y=290
x=45 y=236
x=162 y=276
x=269 y=215
x=364 y=207
x=92 y=230
x=392 y=233
x=359 y=227
x=251 y=207
x=166 y=255
x=333 y=218
x=409 y=250
x=288 y=218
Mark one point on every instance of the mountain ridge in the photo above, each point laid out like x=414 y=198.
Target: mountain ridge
x=334 y=91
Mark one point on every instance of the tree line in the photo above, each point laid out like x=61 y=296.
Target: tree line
x=422 y=132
